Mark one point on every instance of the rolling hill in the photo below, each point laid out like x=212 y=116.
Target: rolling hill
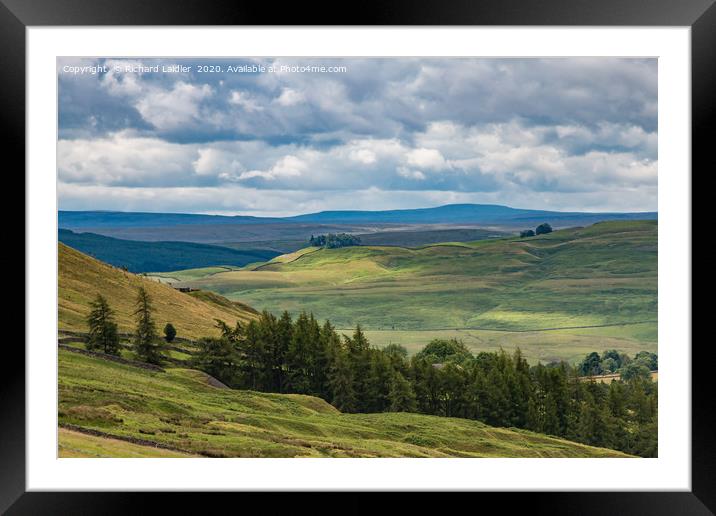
x=108 y=409
x=488 y=214
x=491 y=214
x=252 y=239
x=97 y=219
x=81 y=278
x=401 y=237
x=555 y=294
x=139 y=256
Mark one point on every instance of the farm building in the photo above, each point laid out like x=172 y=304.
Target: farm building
x=185 y=289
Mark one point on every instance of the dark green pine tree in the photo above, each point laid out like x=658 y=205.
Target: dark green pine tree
x=340 y=381
x=284 y=333
x=359 y=360
x=379 y=381
x=102 y=328
x=298 y=357
x=594 y=423
x=329 y=345
x=270 y=354
x=316 y=358
x=251 y=350
x=217 y=357
x=146 y=340
x=401 y=394
x=534 y=418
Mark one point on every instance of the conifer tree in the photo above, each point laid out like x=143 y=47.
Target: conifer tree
x=298 y=358
x=359 y=360
x=341 y=384
x=534 y=417
x=284 y=332
x=379 y=380
x=102 y=328
x=329 y=346
x=146 y=340
x=217 y=357
x=401 y=394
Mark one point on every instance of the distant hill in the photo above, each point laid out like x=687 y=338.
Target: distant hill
x=486 y=214
x=492 y=214
x=98 y=219
x=139 y=256
x=81 y=278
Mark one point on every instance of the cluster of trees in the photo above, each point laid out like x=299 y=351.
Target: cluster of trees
x=279 y=354
x=103 y=335
x=332 y=240
x=612 y=361
x=542 y=229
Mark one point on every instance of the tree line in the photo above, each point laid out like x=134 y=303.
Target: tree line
x=333 y=240
x=612 y=361
x=286 y=355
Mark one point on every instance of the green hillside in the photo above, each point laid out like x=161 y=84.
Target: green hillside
x=598 y=283
x=179 y=410
x=81 y=278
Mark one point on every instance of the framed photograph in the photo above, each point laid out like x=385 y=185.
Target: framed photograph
x=419 y=252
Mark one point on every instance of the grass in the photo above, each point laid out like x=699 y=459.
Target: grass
x=537 y=346
x=189 y=274
x=81 y=278
x=403 y=237
x=80 y=445
x=179 y=409
x=605 y=274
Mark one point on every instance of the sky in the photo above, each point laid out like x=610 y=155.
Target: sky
x=285 y=136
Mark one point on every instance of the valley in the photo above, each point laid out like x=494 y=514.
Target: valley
x=553 y=295
x=542 y=300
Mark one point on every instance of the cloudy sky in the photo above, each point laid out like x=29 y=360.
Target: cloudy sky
x=277 y=137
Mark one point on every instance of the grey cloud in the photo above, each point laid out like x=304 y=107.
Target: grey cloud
x=378 y=97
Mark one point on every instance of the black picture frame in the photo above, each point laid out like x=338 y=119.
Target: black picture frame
x=700 y=15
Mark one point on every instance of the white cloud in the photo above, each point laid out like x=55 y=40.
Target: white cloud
x=246 y=101
x=447 y=157
x=164 y=108
x=124 y=159
x=411 y=174
x=290 y=97
x=120 y=82
x=426 y=158
x=171 y=109
x=216 y=162
x=365 y=156
x=288 y=166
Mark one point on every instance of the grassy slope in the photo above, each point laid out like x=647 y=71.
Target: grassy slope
x=82 y=277
x=178 y=408
x=76 y=444
x=602 y=274
x=546 y=346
